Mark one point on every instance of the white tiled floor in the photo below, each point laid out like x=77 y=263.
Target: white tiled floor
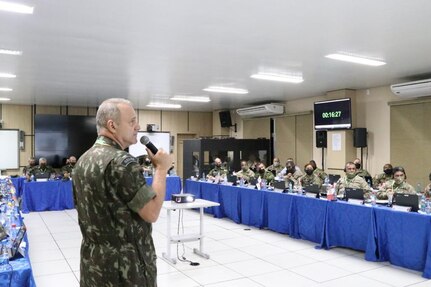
x=240 y=256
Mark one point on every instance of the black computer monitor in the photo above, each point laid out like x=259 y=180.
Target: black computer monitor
x=354 y=193
x=404 y=199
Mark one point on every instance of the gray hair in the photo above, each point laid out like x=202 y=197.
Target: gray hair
x=108 y=110
x=42 y=159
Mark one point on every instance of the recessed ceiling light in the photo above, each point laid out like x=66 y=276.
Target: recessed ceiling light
x=278 y=77
x=164 y=106
x=7 y=75
x=191 y=99
x=216 y=89
x=10 y=52
x=5 y=90
x=355 y=59
x=4 y=99
x=16 y=8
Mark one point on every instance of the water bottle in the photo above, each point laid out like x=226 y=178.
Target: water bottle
x=197 y=174
x=241 y=182
x=423 y=203
x=373 y=198
x=32 y=177
x=290 y=187
x=370 y=184
x=418 y=188
x=326 y=181
x=263 y=182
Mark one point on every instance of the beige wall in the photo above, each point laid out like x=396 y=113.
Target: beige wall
x=176 y=122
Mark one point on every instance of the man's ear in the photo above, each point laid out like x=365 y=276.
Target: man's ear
x=111 y=126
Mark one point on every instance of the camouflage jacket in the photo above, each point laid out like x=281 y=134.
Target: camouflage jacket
x=311 y=180
x=67 y=168
x=277 y=169
x=380 y=179
x=403 y=187
x=215 y=171
x=363 y=173
x=117 y=248
x=320 y=173
x=356 y=182
x=43 y=172
x=267 y=175
x=246 y=175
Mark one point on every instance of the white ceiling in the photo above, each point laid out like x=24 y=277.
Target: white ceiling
x=81 y=52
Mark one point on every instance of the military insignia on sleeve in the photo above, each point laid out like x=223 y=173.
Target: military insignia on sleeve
x=128 y=160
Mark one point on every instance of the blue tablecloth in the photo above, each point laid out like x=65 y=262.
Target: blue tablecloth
x=347 y=225
x=48 y=195
x=401 y=238
x=230 y=198
x=18 y=183
x=173 y=185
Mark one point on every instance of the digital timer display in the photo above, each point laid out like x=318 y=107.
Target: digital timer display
x=334 y=114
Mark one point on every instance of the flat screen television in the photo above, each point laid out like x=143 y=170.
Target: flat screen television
x=57 y=137
x=333 y=114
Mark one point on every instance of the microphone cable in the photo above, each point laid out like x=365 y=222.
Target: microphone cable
x=181 y=223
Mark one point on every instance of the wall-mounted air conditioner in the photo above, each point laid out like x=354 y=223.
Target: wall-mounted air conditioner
x=261 y=111
x=414 y=89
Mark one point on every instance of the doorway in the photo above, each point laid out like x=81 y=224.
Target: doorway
x=180 y=149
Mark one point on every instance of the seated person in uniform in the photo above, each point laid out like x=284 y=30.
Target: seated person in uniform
x=310 y=178
x=361 y=172
x=396 y=185
x=68 y=168
x=289 y=173
x=245 y=173
x=297 y=168
x=276 y=167
x=381 y=178
x=218 y=170
x=351 y=180
x=427 y=189
x=264 y=174
x=171 y=170
x=319 y=172
x=31 y=164
x=147 y=166
x=43 y=170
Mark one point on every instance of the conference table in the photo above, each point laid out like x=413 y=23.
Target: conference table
x=58 y=195
x=383 y=234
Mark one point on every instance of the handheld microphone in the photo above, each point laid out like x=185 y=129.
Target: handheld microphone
x=146 y=142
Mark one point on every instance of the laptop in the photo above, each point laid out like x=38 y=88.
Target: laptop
x=42 y=176
x=252 y=181
x=354 y=193
x=411 y=200
x=232 y=178
x=313 y=188
x=281 y=185
x=333 y=178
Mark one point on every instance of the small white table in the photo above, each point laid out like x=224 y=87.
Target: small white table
x=198 y=203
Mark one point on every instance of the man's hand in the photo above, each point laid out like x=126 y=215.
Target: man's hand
x=161 y=160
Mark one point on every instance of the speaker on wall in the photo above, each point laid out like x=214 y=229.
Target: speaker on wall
x=360 y=137
x=321 y=139
x=225 y=120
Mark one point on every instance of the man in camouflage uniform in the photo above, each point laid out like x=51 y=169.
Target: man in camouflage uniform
x=68 y=168
x=387 y=175
x=290 y=173
x=31 y=164
x=276 y=167
x=115 y=206
x=318 y=171
x=359 y=171
x=396 y=185
x=310 y=178
x=264 y=174
x=351 y=180
x=246 y=173
x=43 y=170
x=218 y=170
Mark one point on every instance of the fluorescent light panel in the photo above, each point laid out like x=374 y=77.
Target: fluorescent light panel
x=5 y=90
x=191 y=99
x=216 y=89
x=7 y=75
x=16 y=8
x=355 y=59
x=278 y=77
x=4 y=99
x=10 y=52
x=164 y=106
